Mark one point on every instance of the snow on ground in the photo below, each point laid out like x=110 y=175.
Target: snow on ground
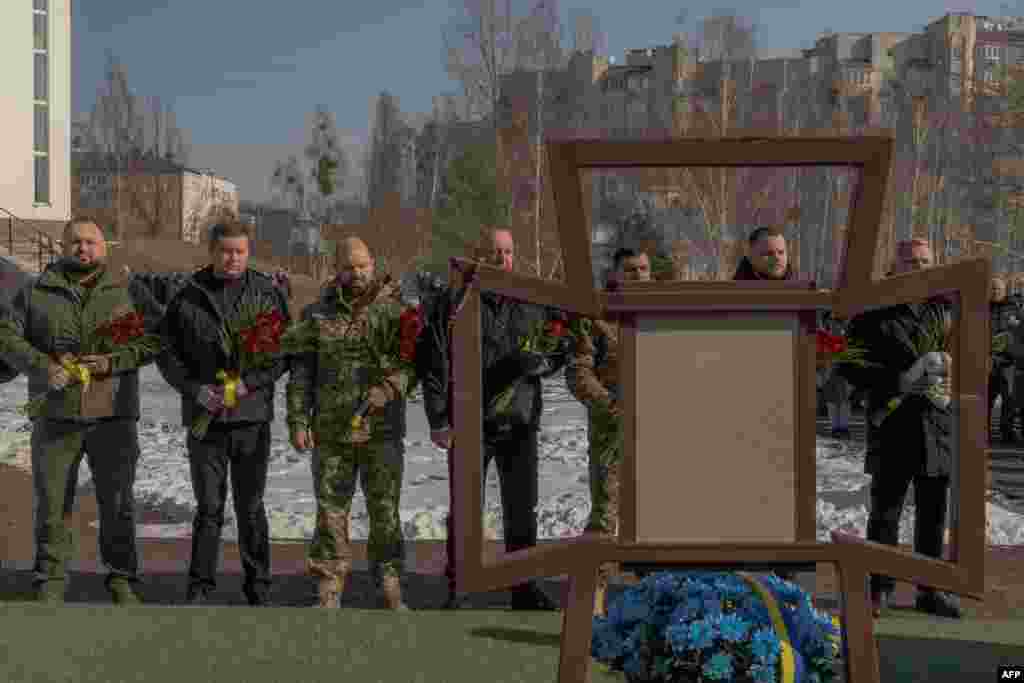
x=162 y=481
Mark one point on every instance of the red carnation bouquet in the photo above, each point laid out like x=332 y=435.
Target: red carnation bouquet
x=389 y=347
x=834 y=349
x=111 y=335
x=545 y=340
x=251 y=343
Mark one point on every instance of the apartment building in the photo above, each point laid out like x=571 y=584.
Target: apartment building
x=153 y=198
x=35 y=105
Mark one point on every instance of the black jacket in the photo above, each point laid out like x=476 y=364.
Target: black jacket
x=503 y=323
x=192 y=325
x=1005 y=316
x=917 y=435
x=745 y=271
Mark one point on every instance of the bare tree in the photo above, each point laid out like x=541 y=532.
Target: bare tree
x=479 y=48
x=330 y=165
x=539 y=46
x=289 y=181
x=389 y=138
x=124 y=130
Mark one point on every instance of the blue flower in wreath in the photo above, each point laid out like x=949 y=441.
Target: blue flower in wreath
x=719 y=667
x=634 y=608
x=765 y=645
x=701 y=634
x=634 y=664
x=678 y=636
x=763 y=673
x=733 y=628
x=606 y=642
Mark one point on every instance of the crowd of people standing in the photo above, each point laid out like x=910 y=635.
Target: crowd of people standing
x=352 y=418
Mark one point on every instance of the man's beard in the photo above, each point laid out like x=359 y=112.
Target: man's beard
x=73 y=264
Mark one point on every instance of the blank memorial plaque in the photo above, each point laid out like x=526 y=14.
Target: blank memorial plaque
x=716 y=428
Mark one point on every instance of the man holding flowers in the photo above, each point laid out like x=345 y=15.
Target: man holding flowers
x=76 y=334
x=352 y=369
x=223 y=331
x=592 y=376
x=909 y=425
x=518 y=339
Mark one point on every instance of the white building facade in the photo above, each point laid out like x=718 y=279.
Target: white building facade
x=35 y=110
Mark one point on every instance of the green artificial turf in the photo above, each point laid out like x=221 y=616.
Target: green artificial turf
x=255 y=645
x=84 y=643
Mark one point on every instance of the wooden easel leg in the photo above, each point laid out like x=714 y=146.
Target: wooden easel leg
x=578 y=627
x=860 y=652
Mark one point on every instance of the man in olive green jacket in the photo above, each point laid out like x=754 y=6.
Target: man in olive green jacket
x=592 y=376
x=63 y=316
x=326 y=387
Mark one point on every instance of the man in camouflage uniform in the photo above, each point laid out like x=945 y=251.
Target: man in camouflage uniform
x=592 y=376
x=325 y=389
x=59 y=316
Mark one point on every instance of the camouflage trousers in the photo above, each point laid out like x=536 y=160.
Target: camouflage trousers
x=378 y=467
x=604 y=487
x=604 y=492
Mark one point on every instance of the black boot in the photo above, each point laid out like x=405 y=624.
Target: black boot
x=938 y=603
x=530 y=596
x=197 y=596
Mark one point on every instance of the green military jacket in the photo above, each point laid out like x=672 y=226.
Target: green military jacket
x=326 y=386
x=52 y=316
x=592 y=373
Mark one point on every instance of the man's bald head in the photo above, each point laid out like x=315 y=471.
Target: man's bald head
x=496 y=248
x=355 y=264
x=84 y=243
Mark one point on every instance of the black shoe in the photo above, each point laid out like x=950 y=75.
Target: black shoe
x=456 y=601
x=939 y=604
x=197 y=596
x=257 y=597
x=531 y=597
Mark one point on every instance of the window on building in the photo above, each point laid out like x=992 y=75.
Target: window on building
x=956 y=52
x=41 y=97
x=41 y=128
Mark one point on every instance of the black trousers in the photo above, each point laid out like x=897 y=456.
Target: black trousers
x=516 y=458
x=1000 y=383
x=888 y=492
x=244 y=451
x=112 y=448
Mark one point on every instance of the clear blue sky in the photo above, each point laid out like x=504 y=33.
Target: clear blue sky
x=243 y=75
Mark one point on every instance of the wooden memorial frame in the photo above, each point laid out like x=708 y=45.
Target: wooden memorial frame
x=579 y=558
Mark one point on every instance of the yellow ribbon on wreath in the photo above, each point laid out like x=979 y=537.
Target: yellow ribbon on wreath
x=787 y=659
x=230 y=382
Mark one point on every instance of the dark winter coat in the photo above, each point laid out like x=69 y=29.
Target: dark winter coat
x=1005 y=316
x=193 y=325
x=325 y=387
x=54 y=315
x=503 y=323
x=917 y=435
x=745 y=271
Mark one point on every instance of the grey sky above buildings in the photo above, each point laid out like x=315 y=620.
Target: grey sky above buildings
x=244 y=76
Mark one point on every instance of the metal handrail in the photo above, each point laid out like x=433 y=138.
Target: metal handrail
x=40 y=238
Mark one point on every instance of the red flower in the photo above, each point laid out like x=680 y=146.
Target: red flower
x=829 y=344
x=410 y=325
x=264 y=336
x=124 y=329
x=556 y=328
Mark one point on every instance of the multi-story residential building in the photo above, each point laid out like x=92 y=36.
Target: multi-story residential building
x=35 y=110
x=153 y=198
x=849 y=71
